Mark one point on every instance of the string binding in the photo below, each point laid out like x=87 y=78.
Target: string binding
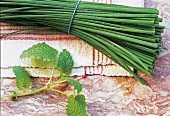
x=71 y=20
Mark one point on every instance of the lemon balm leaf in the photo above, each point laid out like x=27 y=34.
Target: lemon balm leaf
x=65 y=62
x=41 y=51
x=22 y=77
x=76 y=84
x=76 y=106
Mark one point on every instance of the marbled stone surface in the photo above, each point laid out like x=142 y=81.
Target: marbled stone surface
x=106 y=96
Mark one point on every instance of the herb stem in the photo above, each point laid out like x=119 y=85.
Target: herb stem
x=26 y=93
x=58 y=91
x=51 y=74
x=35 y=91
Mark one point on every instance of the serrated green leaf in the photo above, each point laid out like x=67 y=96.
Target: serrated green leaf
x=40 y=51
x=76 y=84
x=22 y=77
x=76 y=106
x=65 y=62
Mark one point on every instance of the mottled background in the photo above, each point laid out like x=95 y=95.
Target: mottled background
x=106 y=96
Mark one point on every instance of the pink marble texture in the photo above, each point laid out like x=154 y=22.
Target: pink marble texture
x=106 y=96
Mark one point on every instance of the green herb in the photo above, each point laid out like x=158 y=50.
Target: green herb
x=76 y=84
x=40 y=51
x=65 y=62
x=130 y=36
x=45 y=54
x=76 y=106
x=22 y=77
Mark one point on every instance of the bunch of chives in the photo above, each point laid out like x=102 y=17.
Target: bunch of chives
x=130 y=36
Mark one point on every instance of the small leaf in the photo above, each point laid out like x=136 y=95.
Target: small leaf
x=76 y=106
x=40 y=51
x=65 y=62
x=22 y=77
x=76 y=84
